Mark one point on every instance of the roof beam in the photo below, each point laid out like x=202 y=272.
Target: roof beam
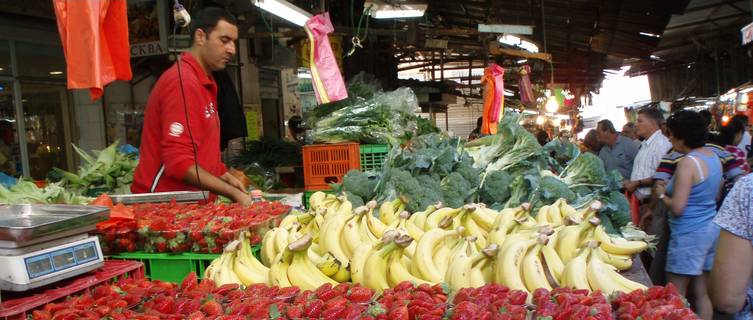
x=695 y=23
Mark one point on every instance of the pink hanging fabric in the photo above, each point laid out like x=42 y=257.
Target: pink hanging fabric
x=526 y=89
x=325 y=74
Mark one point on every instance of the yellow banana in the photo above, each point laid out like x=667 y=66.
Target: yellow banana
x=342 y=275
x=425 y=249
x=570 y=238
x=397 y=269
x=472 y=229
x=432 y=221
x=316 y=200
x=482 y=271
x=278 y=272
x=375 y=269
x=542 y=217
x=359 y=260
x=389 y=210
x=248 y=269
x=302 y=272
x=553 y=262
x=555 y=217
x=485 y=217
x=281 y=239
x=574 y=275
x=567 y=210
x=590 y=211
x=330 y=236
x=621 y=262
x=329 y=266
x=603 y=276
x=458 y=273
x=363 y=229
x=350 y=236
x=532 y=268
x=617 y=245
x=509 y=261
x=268 y=249
x=443 y=253
x=376 y=226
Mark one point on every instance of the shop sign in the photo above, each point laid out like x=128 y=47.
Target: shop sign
x=147 y=49
x=747 y=33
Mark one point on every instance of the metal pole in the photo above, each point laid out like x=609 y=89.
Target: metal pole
x=20 y=120
x=441 y=66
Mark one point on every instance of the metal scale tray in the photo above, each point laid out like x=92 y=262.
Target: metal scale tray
x=22 y=225
x=178 y=196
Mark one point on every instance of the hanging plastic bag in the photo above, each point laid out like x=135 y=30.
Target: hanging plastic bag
x=526 y=89
x=94 y=34
x=494 y=98
x=325 y=74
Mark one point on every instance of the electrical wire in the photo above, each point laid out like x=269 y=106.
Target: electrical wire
x=185 y=108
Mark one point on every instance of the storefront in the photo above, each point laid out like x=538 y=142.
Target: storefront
x=35 y=111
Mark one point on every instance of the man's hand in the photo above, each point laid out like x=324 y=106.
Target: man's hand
x=243 y=198
x=233 y=181
x=630 y=186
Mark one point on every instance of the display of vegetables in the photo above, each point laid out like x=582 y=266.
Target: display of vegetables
x=106 y=171
x=180 y=227
x=27 y=192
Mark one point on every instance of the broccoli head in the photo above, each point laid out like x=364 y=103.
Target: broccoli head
x=552 y=189
x=466 y=169
x=359 y=184
x=456 y=191
x=496 y=188
x=414 y=195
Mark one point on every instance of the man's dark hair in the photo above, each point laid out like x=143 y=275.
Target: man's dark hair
x=734 y=126
x=606 y=125
x=706 y=115
x=206 y=19
x=742 y=118
x=688 y=126
x=653 y=114
x=296 y=124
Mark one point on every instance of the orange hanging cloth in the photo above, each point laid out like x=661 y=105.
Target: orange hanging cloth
x=494 y=98
x=94 y=34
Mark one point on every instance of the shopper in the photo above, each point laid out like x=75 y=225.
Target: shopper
x=731 y=136
x=180 y=141
x=730 y=281
x=591 y=142
x=653 y=148
x=745 y=140
x=628 y=131
x=476 y=133
x=618 y=151
x=691 y=197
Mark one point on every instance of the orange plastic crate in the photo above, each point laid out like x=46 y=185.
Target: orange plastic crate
x=328 y=163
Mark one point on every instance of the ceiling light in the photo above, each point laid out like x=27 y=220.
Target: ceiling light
x=381 y=10
x=522 y=61
x=519 y=42
x=649 y=34
x=725 y=119
x=551 y=104
x=1 y=69
x=55 y=73
x=285 y=10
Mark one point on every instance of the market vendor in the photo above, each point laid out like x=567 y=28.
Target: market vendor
x=180 y=141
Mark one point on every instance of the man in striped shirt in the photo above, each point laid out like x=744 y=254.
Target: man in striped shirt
x=653 y=148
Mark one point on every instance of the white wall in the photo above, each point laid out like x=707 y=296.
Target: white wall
x=89 y=122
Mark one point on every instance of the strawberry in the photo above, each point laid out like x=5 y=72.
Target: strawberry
x=212 y=308
x=41 y=315
x=196 y=315
x=314 y=308
x=360 y=294
x=399 y=313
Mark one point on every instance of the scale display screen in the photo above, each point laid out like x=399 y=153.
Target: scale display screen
x=62 y=259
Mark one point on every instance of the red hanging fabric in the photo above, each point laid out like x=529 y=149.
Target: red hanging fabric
x=526 y=89
x=94 y=34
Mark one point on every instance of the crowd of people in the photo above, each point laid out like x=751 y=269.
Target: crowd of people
x=690 y=178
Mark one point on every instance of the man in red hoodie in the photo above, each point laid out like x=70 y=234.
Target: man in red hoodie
x=180 y=141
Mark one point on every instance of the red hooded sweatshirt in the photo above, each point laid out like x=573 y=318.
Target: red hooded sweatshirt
x=166 y=151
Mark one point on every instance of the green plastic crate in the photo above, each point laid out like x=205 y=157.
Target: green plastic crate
x=174 y=267
x=373 y=156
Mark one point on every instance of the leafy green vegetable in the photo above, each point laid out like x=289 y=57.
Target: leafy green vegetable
x=585 y=170
x=560 y=152
x=360 y=184
x=106 y=171
x=456 y=190
x=553 y=188
x=27 y=192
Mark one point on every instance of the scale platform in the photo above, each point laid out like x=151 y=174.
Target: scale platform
x=43 y=244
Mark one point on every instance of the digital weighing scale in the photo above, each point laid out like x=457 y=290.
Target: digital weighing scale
x=43 y=244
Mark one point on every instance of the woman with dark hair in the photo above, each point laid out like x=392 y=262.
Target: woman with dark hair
x=691 y=196
x=730 y=136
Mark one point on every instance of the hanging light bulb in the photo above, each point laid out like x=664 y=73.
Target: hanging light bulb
x=725 y=119
x=540 y=120
x=551 y=104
